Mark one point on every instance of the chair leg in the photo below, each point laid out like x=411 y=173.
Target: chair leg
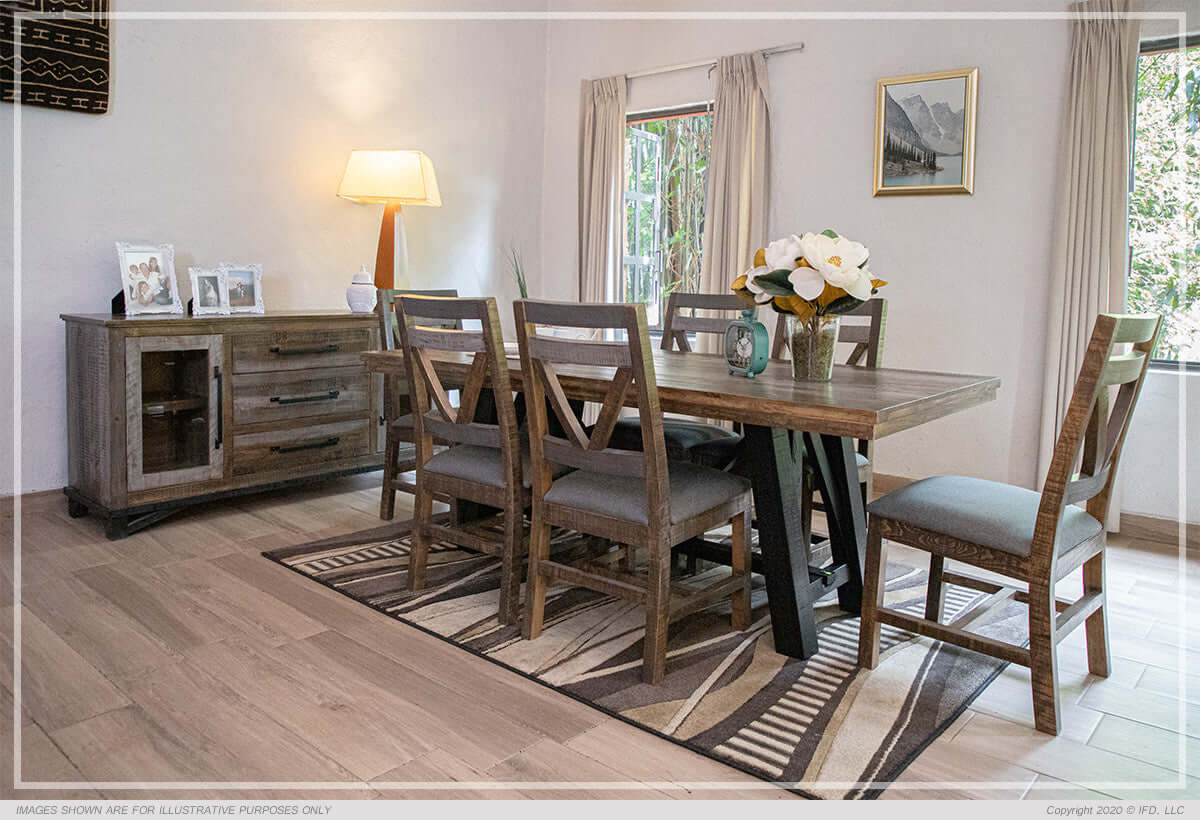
x=535 y=586
x=510 y=566
x=873 y=586
x=740 y=601
x=1043 y=663
x=418 y=554
x=1096 y=625
x=658 y=603
x=387 y=501
x=935 y=595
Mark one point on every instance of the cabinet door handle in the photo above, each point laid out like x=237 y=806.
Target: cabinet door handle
x=303 y=351
x=220 y=408
x=332 y=441
x=330 y=396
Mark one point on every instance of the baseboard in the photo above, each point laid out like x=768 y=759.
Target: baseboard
x=1162 y=530
x=1141 y=527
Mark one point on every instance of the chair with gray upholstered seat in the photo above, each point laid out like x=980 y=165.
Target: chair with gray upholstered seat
x=686 y=436
x=483 y=462
x=1034 y=538
x=633 y=497
x=397 y=418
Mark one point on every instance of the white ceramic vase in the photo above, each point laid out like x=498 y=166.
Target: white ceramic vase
x=361 y=294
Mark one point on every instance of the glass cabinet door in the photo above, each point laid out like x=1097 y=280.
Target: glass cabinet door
x=174 y=393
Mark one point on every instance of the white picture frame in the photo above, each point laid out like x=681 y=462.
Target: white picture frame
x=243 y=285
x=210 y=292
x=148 y=278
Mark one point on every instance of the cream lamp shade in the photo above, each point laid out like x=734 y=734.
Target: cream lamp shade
x=404 y=177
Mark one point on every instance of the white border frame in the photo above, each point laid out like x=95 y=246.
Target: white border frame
x=222 y=308
x=226 y=269
x=167 y=252
x=1170 y=789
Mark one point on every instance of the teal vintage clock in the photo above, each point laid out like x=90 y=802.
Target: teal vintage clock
x=746 y=345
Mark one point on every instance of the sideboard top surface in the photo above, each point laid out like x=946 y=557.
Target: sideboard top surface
x=165 y=320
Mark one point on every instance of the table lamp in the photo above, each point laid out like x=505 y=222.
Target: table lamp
x=394 y=178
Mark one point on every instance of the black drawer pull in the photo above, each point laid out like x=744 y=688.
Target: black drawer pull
x=303 y=351
x=331 y=395
x=316 y=445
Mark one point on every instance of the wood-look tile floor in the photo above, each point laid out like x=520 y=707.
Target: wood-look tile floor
x=181 y=655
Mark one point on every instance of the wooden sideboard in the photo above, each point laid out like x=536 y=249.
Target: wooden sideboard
x=168 y=411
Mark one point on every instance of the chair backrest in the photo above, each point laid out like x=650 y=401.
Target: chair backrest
x=1092 y=434
x=385 y=306
x=424 y=333
x=867 y=337
x=541 y=358
x=676 y=325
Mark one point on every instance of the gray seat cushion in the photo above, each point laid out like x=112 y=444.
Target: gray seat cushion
x=988 y=513
x=681 y=435
x=484 y=465
x=694 y=490
x=404 y=422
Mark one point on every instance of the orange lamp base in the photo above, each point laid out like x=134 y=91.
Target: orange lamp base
x=385 y=257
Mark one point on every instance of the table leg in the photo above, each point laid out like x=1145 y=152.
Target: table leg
x=837 y=481
x=774 y=475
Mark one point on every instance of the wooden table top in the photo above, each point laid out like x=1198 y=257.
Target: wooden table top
x=858 y=402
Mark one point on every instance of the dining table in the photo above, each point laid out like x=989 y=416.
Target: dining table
x=785 y=423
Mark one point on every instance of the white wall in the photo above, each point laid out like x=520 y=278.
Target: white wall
x=228 y=139
x=1158 y=444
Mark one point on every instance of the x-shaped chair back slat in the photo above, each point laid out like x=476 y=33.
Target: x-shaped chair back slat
x=1092 y=434
x=547 y=361
x=431 y=328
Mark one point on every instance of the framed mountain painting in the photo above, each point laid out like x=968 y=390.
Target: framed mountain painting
x=925 y=133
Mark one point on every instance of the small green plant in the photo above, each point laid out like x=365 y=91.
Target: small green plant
x=513 y=257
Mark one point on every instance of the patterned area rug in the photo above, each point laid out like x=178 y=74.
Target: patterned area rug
x=821 y=727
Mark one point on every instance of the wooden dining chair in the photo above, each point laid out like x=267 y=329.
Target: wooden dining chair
x=398 y=460
x=633 y=497
x=683 y=435
x=1034 y=538
x=483 y=462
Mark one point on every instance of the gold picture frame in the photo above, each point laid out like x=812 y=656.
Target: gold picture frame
x=913 y=149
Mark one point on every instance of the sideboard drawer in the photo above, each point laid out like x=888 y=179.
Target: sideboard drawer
x=299 y=349
x=300 y=449
x=294 y=394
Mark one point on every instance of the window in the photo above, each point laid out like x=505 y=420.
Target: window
x=1164 y=202
x=666 y=163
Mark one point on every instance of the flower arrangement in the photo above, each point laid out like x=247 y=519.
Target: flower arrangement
x=811 y=279
x=815 y=275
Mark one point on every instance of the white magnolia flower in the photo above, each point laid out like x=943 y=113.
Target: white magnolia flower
x=760 y=296
x=837 y=260
x=807 y=282
x=782 y=253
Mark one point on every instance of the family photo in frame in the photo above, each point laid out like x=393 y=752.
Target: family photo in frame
x=148 y=278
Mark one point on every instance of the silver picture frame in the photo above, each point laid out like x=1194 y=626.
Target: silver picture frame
x=148 y=278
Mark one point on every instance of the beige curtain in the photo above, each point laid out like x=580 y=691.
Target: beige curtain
x=601 y=188
x=1090 y=250
x=735 y=217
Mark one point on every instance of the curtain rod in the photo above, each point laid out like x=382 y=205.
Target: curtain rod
x=767 y=52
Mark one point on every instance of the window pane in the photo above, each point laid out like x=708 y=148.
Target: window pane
x=666 y=164
x=1164 y=205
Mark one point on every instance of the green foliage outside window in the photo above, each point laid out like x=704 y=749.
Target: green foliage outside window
x=666 y=172
x=1164 y=207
